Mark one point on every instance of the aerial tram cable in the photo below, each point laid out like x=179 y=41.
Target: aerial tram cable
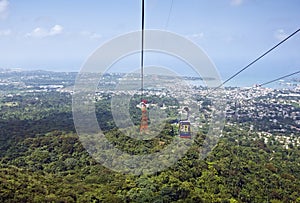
x=265 y=83
x=142 y=49
x=184 y=125
x=257 y=59
x=143 y=104
x=169 y=15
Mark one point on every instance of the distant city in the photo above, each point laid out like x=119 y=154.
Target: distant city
x=265 y=110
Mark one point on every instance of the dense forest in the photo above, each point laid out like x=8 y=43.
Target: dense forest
x=42 y=160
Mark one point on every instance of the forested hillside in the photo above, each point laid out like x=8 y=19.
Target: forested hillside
x=42 y=160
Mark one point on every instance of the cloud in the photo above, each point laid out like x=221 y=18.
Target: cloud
x=37 y=32
x=236 y=2
x=42 y=32
x=4 y=33
x=196 y=36
x=56 y=30
x=280 y=34
x=91 y=35
x=3 y=8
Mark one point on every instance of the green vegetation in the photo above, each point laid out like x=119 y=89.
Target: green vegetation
x=42 y=160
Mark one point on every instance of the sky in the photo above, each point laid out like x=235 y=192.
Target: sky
x=60 y=35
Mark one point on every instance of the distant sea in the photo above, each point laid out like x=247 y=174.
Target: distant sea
x=246 y=79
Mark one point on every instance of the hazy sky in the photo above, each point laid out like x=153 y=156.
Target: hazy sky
x=61 y=34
